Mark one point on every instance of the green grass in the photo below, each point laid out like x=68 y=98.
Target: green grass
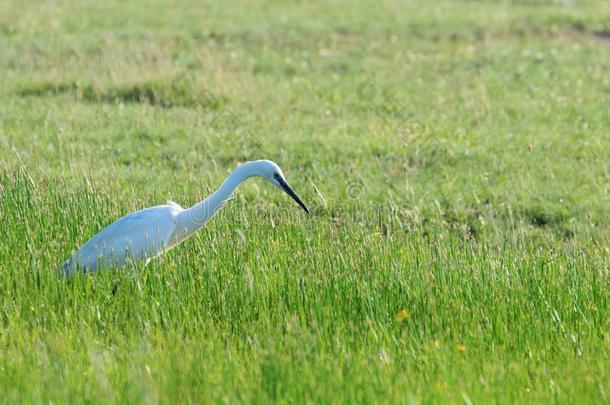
x=457 y=251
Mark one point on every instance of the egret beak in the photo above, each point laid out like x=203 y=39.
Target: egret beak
x=288 y=190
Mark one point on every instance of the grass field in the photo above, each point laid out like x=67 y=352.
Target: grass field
x=459 y=242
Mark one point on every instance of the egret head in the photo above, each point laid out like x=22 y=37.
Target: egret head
x=273 y=174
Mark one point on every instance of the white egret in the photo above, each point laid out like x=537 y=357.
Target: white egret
x=145 y=234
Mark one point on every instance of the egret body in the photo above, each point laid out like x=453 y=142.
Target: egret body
x=145 y=234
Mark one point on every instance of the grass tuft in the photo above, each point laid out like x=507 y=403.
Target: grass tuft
x=160 y=93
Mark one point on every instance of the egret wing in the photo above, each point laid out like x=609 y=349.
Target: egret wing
x=137 y=236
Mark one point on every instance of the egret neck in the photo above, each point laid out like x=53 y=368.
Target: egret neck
x=191 y=219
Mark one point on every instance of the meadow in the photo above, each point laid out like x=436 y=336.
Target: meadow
x=454 y=154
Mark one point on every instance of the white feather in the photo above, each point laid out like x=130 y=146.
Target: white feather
x=147 y=233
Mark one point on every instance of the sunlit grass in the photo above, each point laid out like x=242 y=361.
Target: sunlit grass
x=453 y=155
